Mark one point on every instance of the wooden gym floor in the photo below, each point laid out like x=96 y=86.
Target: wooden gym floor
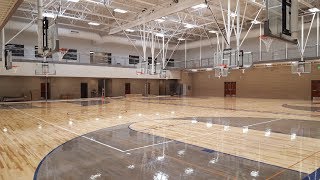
x=160 y=138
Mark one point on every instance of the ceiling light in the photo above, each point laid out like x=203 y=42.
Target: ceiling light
x=255 y=22
x=92 y=1
x=233 y=15
x=213 y=32
x=93 y=23
x=49 y=15
x=268 y=64
x=189 y=26
x=159 y=35
x=73 y=0
x=194 y=70
x=120 y=11
x=160 y=20
x=70 y=17
x=314 y=10
x=199 y=6
x=129 y=30
x=181 y=39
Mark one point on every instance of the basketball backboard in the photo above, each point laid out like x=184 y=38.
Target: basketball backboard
x=278 y=22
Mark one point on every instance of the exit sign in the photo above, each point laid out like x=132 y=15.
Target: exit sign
x=319 y=67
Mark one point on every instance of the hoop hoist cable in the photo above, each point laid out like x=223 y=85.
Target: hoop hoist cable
x=216 y=21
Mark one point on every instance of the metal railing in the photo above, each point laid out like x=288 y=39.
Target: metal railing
x=251 y=57
x=80 y=57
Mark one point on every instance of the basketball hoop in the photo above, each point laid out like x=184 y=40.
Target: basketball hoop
x=222 y=66
x=62 y=52
x=139 y=73
x=267 y=40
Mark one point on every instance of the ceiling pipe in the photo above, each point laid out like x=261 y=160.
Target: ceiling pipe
x=64 y=32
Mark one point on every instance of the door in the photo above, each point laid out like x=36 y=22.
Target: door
x=149 y=88
x=84 y=90
x=101 y=88
x=127 y=88
x=315 y=89
x=45 y=91
x=230 y=89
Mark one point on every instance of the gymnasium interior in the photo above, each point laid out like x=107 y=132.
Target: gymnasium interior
x=159 y=89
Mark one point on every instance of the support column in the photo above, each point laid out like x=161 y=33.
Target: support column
x=302 y=38
x=260 y=43
x=3 y=47
x=294 y=18
x=200 y=62
x=185 y=54
x=229 y=25
x=152 y=54
x=40 y=26
x=163 y=54
x=318 y=24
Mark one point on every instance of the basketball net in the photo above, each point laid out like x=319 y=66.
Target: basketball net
x=267 y=41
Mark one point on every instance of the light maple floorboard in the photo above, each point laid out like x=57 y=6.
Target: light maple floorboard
x=24 y=144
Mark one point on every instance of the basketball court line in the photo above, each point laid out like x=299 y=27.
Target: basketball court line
x=72 y=132
x=142 y=131
x=231 y=109
x=151 y=145
x=280 y=172
x=263 y=122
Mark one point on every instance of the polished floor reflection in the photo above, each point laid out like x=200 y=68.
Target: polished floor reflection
x=144 y=156
x=160 y=138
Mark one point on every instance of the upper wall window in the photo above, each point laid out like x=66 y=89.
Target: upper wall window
x=133 y=59
x=170 y=62
x=150 y=61
x=72 y=54
x=16 y=49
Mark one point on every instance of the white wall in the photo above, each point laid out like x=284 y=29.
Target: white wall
x=72 y=70
x=83 y=46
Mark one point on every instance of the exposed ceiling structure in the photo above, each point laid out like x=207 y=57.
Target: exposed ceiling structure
x=7 y=7
x=187 y=19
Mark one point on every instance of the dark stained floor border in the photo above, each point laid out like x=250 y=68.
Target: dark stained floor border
x=128 y=126
x=313 y=176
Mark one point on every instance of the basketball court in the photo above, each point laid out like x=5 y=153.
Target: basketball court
x=160 y=89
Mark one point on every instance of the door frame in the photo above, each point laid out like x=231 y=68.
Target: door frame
x=127 y=91
x=87 y=90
